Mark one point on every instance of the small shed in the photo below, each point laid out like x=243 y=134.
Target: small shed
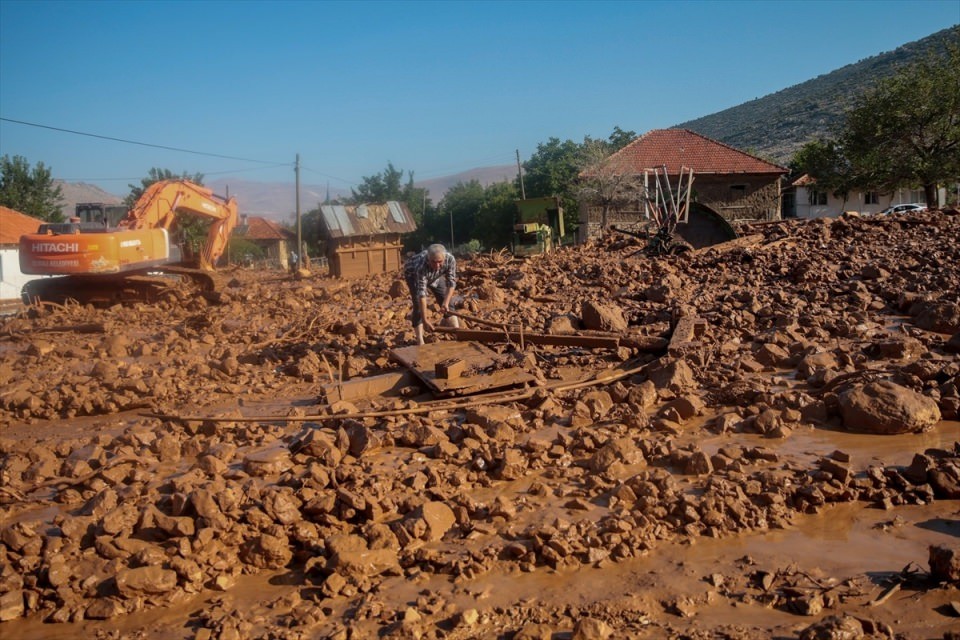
x=13 y=224
x=365 y=239
x=276 y=241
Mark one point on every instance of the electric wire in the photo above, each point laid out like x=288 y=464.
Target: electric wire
x=143 y=144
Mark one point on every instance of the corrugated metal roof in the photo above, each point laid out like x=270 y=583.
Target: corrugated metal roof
x=344 y=221
x=14 y=224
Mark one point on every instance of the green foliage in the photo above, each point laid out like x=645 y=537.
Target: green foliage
x=824 y=161
x=241 y=251
x=460 y=205
x=779 y=124
x=312 y=232
x=602 y=182
x=495 y=217
x=156 y=175
x=903 y=133
x=554 y=167
x=906 y=131
x=192 y=229
x=30 y=191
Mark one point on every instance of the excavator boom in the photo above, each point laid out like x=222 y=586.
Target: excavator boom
x=140 y=243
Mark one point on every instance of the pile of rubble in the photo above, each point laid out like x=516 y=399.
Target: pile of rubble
x=145 y=461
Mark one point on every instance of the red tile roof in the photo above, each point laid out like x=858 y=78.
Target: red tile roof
x=678 y=148
x=14 y=224
x=263 y=229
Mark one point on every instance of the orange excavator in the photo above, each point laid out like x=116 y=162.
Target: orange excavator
x=134 y=260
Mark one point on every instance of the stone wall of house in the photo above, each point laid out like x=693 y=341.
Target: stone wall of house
x=740 y=197
x=747 y=197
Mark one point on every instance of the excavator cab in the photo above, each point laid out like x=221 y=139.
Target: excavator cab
x=98 y=214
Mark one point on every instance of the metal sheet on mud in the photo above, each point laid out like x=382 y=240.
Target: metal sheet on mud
x=483 y=369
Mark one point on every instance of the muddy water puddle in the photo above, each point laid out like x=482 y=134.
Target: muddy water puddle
x=864 y=449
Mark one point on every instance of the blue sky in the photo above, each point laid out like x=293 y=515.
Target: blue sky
x=433 y=87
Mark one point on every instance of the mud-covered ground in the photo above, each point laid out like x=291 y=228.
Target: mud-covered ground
x=772 y=451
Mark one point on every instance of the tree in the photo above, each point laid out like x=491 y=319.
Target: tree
x=906 y=131
x=552 y=171
x=32 y=192
x=156 y=175
x=193 y=229
x=605 y=182
x=494 y=222
x=824 y=161
x=460 y=206
x=554 y=167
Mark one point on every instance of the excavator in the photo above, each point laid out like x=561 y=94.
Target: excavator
x=135 y=260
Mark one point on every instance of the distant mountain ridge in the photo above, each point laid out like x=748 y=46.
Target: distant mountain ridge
x=776 y=126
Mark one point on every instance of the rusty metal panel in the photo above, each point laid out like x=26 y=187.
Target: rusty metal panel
x=483 y=372
x=345 y=221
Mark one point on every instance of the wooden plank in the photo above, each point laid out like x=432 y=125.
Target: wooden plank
x=483 y=372
x=382 y=385
x=479 y=335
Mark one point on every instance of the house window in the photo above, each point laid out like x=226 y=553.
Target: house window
x=871 y=197
x=818 y=198
x=737 y=191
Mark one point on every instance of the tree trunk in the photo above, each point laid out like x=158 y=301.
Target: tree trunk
x=932 y=194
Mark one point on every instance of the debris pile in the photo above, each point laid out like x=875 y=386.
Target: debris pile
x=157 y=453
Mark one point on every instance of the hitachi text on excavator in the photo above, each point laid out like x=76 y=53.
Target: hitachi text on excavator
x=95 y=262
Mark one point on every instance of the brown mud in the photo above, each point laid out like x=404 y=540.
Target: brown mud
x=780 y=459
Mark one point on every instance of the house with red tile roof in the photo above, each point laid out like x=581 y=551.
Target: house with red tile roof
x=13 y=224
x=728 y=183
x=276 y=242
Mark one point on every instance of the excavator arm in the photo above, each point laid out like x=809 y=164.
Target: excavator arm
x=163 y=201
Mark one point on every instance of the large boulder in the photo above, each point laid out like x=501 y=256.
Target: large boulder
x=887 y=408
x=599 y=316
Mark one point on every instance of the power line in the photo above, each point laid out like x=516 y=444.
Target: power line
x=142 y=144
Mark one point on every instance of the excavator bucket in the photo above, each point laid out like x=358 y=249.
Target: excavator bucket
x=705 y=228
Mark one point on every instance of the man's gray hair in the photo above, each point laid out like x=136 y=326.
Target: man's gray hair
x=435 y=251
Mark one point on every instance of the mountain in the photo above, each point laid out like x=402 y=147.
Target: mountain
x=777 y=125
x=74 y=192
x=437 y=187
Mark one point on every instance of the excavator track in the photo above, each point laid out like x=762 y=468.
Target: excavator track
x=164 y=283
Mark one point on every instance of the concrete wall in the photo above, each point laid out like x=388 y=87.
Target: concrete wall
x=11 y=280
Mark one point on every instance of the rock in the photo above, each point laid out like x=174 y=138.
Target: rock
x=350 y=556
x=141 y=581
x=887 y=408
x=591 y=629
x=104 y=609
x=267 y=462
x=563 y=324
x=674 y=375
x=534 y=632
x=942 y=317
x=834 y=628
x=438 y=517
x=945 y=563
x=267 y=552
x=599 y=316
x=11 y=605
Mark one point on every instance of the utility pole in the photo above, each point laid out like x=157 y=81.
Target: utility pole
x=452 y=243
x=296 y=171
x=523 y=193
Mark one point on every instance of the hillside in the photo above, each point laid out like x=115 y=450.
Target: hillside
x=777 y=125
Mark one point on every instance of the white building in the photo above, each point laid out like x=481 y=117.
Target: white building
x=810 y=202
